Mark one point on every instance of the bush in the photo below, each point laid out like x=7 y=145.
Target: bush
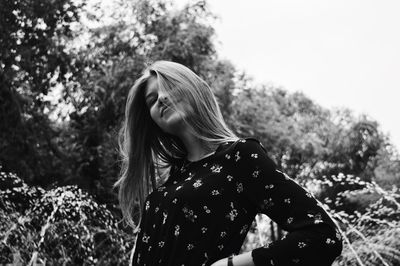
x=59 y=226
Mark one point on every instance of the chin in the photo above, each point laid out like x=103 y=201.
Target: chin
x=174 y=127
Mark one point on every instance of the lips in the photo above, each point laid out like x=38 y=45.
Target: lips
x=163 y=110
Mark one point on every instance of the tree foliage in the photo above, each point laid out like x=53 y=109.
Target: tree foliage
x=32 y=59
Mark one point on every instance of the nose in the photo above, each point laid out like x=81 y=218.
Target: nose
x=163 y=99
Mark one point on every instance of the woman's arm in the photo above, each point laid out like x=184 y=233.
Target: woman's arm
x=243 y=259
x=312 y=239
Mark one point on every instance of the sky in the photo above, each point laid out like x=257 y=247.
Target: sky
x=338 y=53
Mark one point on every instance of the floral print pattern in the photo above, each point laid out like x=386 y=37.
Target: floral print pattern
x=204 y=210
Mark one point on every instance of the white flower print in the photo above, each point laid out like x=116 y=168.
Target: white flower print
x=198 y=183
x=318 y=221
x=156 y=209
x=206 y=209
x=229 y=177
x=174 y=200
x=177 y=228
x=239 y=187
x=269 y=186
x=189 y=214
x=189 y=176
x=287 y=200
x=220 y=247
x=183 y=169
x=301 y=244
x=237 y=156
x=204 y=230
x=255 y=173
x=296 y=260
x=233 y=213
x=161 y=189
x=330 y=241
x=254 y=155
x=308 y=194
x=161 y=244
x=266 y=204
x=227 y=156
x=174 y=182
x=165 y=215
x=318 y=218
x=190 y=246
x=223 y=234
x=242 y=141
x=215 y=192
x=216 y=168
x=205 y=165
x=147 y=205
x=290 y=220
x=145 y=238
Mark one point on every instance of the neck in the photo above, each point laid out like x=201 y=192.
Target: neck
x=196 y=148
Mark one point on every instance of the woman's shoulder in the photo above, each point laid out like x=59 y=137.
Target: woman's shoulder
x=249 y=143
x=243 y=146
x=250 y=151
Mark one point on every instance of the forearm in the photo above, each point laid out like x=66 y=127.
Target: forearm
x=243 y=259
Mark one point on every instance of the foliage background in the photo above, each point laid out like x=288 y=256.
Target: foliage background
x=65 y=70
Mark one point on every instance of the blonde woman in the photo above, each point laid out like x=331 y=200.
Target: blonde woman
x=199 y=186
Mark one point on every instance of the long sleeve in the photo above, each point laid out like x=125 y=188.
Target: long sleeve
x=312 y=239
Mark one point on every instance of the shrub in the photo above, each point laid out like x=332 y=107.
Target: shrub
x=59 y=226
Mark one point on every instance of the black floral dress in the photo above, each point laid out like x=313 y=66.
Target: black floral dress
x=203 y=212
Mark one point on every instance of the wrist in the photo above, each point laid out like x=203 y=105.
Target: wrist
x=243 y=259
x=230 y=260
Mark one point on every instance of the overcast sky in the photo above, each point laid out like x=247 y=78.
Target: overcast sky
x=339 y=53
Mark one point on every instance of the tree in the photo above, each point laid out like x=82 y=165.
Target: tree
x=32 y=59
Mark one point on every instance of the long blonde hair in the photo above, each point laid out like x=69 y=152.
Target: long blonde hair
x=145 y=149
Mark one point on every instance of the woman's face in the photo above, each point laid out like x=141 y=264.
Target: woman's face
x=161 y=109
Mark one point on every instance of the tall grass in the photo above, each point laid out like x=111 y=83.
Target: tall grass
x=371 y=233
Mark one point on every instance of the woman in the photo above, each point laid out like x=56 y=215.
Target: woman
x=200 y=211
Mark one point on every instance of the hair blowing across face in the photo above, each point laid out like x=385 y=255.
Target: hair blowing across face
x=146 y=151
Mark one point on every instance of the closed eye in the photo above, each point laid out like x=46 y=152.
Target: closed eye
x=151 y=98
x=150 y=101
